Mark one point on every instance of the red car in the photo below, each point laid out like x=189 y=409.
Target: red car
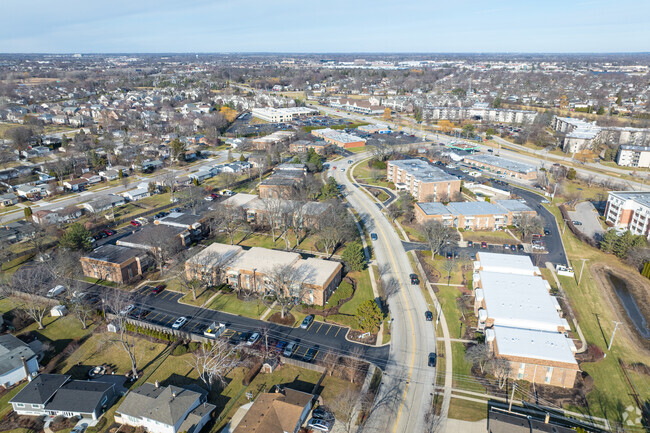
x=109 y=232
x=135 y=223
x=483 y=244
x=159 y=288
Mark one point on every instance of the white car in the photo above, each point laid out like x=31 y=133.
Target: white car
x=253 y=339
x=290 y=349
x=320 y=424
x=178 y=324
x=127 y=309
x=55 y=291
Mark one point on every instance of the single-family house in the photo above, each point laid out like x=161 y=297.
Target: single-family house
x=136 y=194
x=30 y=191
x=103 y=203
x=282 y=411
x=91 y=178
x=75 y=184
x=17 y=360
x=8 y=199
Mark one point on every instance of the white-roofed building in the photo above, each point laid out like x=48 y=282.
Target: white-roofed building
x=505 y=263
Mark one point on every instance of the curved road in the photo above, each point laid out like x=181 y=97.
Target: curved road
x=405 y=394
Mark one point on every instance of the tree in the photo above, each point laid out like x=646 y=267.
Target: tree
x=213 y=361
x=76 y=237
x=478 y=354
x=346 y=406
x=117 y=301
x=229 y=220
x=497 y=103
x=120 y=174
x=30 y=284
x=162 y=249
x=601 y=111
x=285 y=285
x=330 y=189
x=193 y=196
x=607 y=242
x=28 y=213
x=571 y=174
x=449 y=266
x=500 y=369
x=152 y=188
x=369 y=315
x=178 y=149
x=564 y=102
x=353 y=256
x=333 y=226
x=468 y=129
x=81 y=309
x=437 y=236
x=387 y=113
x=446 y=126
x=528 y=225
x=20 y=136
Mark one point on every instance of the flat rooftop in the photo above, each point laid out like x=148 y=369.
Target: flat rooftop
x=112 y=254
x=433 y=208
x=263 y=260
x=640 y=197
x=504 y=163
x=527 y=343
x=505 y=263
x=513 y=205
x=423 y=171
x=469 y=208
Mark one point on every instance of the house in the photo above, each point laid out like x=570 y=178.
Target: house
x=151 y=165
x=17 y=361
x=103 y=203
x=8 y=199
x=57 y=216
x=56 y=394
x=136 y=194
x=109 y=174
x=200 y=175
x=303 y=146
x=282 y=411
x=113 y=263
x=16 y=231
x=91 y=178
x=251 y=269
x=161 y=409
x=30 y=191
x=75 y=184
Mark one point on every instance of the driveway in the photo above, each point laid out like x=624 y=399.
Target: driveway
x=587 y=214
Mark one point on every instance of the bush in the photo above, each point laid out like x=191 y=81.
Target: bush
x=194 y=346
x=179 y=350
x=252 y=373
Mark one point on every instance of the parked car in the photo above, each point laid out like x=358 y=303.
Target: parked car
x=253 y=339
x=414 y=279
x=320 y=413
x=319 y=424
x=280 y=346
x=127 y=309
x=244 y=336
x=577 y=223
x=546 y=231
x=140 y=313
x=350 y=161
x=178 y=324
x=513 y=247
x=55 y=291
x=109 y=232
x=310 y=354
x=135 y=223
x=373 y=236
x=159 y=288
x=520 y=247
x=450 y=255
x=432 y=359
x=506 y=246
x=208 y=198
x=290 y=349
x=97 y=237
x=483 y=244
x=307 y=321
x=428 y=315
x=470 y=244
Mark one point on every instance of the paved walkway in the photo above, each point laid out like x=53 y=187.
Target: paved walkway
x=458 y=426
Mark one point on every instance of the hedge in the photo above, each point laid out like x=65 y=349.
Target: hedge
x=252 y=373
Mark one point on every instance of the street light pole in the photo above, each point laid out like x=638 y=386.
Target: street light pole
x=582 y=269
x=611 y=340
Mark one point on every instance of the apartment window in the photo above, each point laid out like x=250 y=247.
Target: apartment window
x=522 y=368
x=549 y=374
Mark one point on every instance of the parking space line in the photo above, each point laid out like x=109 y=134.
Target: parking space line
x=328 y=330
x=319 y=326
x=337 y=332
x=154 y=316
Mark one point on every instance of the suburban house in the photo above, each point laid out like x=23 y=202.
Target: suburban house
x=57 y=216
x=113 y=263
x=258 y=210
x=17 y=360
x=282 y=411
x=109 y=174
x=57 y=394
x=422 y=180
x=8 y=199
x=161 y=409
x=252 y=269
x=31 y=191
x=136 y=194
x=16 y=231
x=103 y=203
x=92 y=178
x=75 y=184
x=302 y=146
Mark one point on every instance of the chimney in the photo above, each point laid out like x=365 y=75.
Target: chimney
x=547 y=418
x=27 y=374
x=157 y=384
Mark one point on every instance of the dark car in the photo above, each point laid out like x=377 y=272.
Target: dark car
x=320 y=413
x=373 y=236
x=450 y=255
x=428 y=315
x=577 y=223
x=159 y=288
x=432 y=359
x=547 y=231
x=310 y=354
x=97 y=237
x=414 y=279
x=520 y=247
x=483 y=244
x=280 y=346
x=513 y=247
x=244 y=336
x=140 y=313
x=470 y=244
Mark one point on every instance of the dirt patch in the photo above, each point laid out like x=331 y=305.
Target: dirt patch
x=12 y=421
x=638 y=286
x=356 y=337
x=287 y=320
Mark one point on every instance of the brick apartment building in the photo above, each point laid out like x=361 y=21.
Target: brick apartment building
x=113 y=263
x=423 y=181
x=629 y=210
x=479 y=215
x=284 y=180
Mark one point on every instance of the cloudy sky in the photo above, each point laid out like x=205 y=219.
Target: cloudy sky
x=118 y=26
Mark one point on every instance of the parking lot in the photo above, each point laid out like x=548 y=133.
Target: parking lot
x=392 y=139
x=319 y=121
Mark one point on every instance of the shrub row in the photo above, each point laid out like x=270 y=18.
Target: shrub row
x=153 y=333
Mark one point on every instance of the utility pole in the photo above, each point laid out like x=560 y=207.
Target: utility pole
x=611 y=340
x=581 y=269
x=514 y=387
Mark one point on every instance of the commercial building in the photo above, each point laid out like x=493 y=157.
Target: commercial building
x=113 y=263
x=280 y=115
x=502 y=166
x=522 y=321
x=375 y=129
x=362 y=106
x=633 y=156
x=478 y=215
x=274 y=139
x=422 y=180
x=629 y=210
x=153 y=236
x=340 y=139
x=252 y=269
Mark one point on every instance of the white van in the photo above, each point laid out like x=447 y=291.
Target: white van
x=56 y=291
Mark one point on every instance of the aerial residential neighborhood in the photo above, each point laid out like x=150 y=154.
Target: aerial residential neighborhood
x=365 y=217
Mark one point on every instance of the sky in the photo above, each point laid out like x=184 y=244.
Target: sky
x=317 y=26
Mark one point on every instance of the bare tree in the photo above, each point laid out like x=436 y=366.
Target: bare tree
x=354 y=363
x=346 y=407
x=193 y=196
x=331 y=362
x=478 y=354
x=118 y=302
x=334 y=226
x=500 y=369
x=162 y=249
x=285 y=284
x=30 y=284
x=212 y=362
x=80 y=308
x=229 y=220
x=449 y=266
x=273 y=213
x=437 y=236
x=528 y=225
x=207 y=267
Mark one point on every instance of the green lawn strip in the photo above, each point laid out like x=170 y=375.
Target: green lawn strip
x=413 y=233
x=493 y=237
x=385 y=337
x=463 y=378
x=98 y=281
x=9 y=268
x=59 y=331
x=467 y=410
x=229 y=303
x=362 y=293
x=188 y=298
x=7 y=304
x=5 y=407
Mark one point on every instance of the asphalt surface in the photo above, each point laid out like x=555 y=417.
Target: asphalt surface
x=587 y=214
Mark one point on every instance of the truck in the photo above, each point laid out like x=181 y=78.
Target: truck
x=214 y=330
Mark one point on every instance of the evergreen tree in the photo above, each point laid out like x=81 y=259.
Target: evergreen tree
x=353 y=256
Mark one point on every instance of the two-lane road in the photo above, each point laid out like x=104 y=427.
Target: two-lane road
x=405 y=393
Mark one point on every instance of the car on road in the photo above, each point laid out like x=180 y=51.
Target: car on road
x=253 y=339
x=432 y=359
x=109 y=232
x=546 y=231
x=159 y=288
x=428 y=315
x=414 y=279
x=320 y=424
x=350 y=161
x=97 y=237
x=373 y=236
x=307 y=321
x=483 y=244
x=290 y=349
x=545 y=201
x=321 y=413
x=513 y=247
x=577 y=223
x=506 y=246
x=450 y=255
x=135 y=223
x=310 y=354
x=178 y=324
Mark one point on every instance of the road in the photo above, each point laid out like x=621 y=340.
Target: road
x=405 y=393
x=82 y=197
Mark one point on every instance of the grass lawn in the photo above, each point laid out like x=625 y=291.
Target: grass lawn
x=5 y=407
x=462 y=369
x=493 y=237
x=7 y=304
x=105 y=348
x=200 y=299
x=156 y=200
x=59 y=331
x=585 y=192
x=467 y=410
x=229 y=303
x=363 y=293
x=7 y=209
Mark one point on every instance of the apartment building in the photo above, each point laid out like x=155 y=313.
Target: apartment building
x=633 y=156
x=503 y=166
x=629 y=210
x=479 y=215
x=284 y=180
x=340 y=139
x=522 y=321
x=362 y=106
x=481 y=112
x=279 y=115
x=251 y=269
x=274 y=139
x=303 y=146
x=113 y=263
x=423 y=181
x=580 y=134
